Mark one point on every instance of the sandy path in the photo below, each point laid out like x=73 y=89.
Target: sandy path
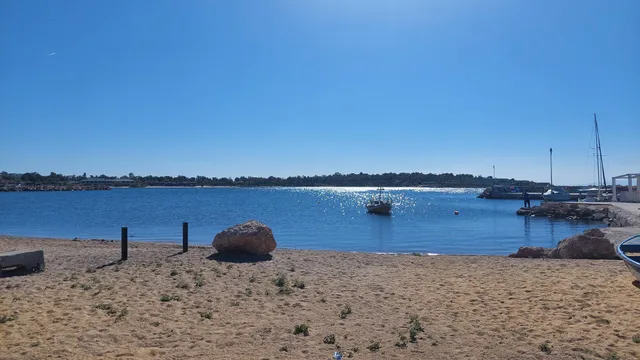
x=470 y=307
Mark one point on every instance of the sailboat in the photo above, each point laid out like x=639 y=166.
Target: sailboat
x=597 y=193
x=554 y=194
x=379 y=205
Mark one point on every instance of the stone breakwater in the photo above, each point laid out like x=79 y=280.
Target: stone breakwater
x=592 y=243
x=569 y=211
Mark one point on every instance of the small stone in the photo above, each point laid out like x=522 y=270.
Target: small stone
x=533 y=252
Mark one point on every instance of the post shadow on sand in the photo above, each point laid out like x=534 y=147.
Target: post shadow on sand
x=117 y=262
x=239 y=257
x=19 y=271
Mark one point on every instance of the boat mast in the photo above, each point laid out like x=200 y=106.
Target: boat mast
x=599 y=156
x=551 y=166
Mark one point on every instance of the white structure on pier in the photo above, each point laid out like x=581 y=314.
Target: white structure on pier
x=629 y=195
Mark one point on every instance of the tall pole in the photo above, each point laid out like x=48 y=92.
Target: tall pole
x=494 y=175
x=599 y=154
x=551 y=165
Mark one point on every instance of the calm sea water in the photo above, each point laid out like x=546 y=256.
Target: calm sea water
x=423 y=219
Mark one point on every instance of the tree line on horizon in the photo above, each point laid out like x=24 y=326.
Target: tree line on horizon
x=336 y=179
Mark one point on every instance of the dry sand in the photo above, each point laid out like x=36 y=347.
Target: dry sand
x=471 y=307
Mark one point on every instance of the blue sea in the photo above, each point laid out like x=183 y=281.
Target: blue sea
x=330 y=218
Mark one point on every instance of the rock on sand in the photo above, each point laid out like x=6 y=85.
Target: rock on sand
x=591 y=244
x=251 y=237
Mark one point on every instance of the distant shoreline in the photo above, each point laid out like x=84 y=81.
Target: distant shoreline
x=337 y=179
x=49 y=188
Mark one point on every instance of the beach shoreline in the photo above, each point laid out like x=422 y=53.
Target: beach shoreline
x=162 y=304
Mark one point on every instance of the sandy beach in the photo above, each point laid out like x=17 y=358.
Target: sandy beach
x=161 y=304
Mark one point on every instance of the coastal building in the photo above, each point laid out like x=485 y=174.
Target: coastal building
x=108 y=182
x=631 y=194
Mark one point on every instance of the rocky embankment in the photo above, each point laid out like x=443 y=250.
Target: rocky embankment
x=569 y=211
x=592 y=243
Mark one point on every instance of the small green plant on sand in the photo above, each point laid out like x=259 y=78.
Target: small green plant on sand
x=545 y=347
x=283 y=285
x=301 y=329
x=414 y=328
x=122 y=315
x=199 y=279
x=182 y=285
x=402 y=343
x=105 y=307
x=206 y=314
x=329 y=339
x=6 y=318
x=344 y=312
x=248 y=292
x=636 y=339
x=613 y=356
x=166 y=298
x=112 y=311
x=374 y=346
x=297 y=283
x=280 y=281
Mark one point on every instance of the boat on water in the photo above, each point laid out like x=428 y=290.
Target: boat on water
x=379 y=205
x=597 y=193
x=629 y=252
x=554 y=194
x=590 y=195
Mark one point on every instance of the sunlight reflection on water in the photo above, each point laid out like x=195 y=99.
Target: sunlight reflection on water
x=323 y=218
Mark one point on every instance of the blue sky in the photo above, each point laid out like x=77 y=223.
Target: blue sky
x=285 y=87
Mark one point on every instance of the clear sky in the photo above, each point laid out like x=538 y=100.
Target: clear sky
x=287 y=87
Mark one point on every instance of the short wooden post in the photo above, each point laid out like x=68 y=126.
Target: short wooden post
x=124 y=243
x=185 y=237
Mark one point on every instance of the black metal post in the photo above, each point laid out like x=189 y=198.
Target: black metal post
x=185 y=237
x=124 y=243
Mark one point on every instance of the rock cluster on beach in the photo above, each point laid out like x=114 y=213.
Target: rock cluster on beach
x=251 y=237
x=592 y=243
x=570 y=211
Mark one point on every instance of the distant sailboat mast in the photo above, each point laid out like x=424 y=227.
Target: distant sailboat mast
x=602 y=180
x=551 y=166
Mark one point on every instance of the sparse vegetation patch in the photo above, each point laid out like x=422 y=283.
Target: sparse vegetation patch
x=301 y=329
